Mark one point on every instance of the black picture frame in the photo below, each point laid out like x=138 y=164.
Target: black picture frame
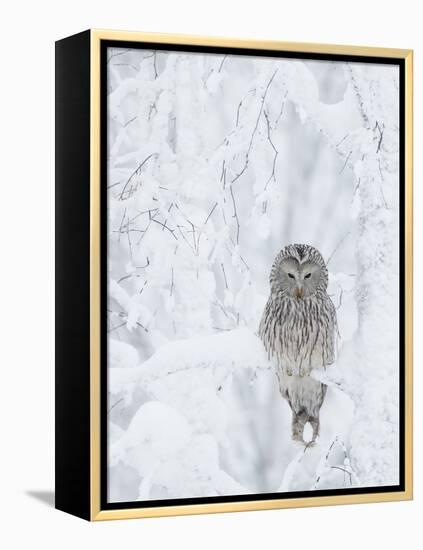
x=75 y=449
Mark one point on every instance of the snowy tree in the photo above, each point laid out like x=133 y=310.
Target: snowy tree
x=215 y=163
x=370 y=363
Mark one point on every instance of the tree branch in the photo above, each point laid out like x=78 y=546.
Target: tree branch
x=136 y=172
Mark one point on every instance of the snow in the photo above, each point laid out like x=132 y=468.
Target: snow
x=121 y=354
x=190 y=374
x=229 y=349
x=161 y=446
x=192 y=382
x=155 y=433
x=215 y=164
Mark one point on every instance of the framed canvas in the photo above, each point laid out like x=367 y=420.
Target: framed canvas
x=233 y=274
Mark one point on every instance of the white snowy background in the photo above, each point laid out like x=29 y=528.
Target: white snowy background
x=214 y=164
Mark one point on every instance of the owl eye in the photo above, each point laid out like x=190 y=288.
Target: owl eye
x=291 y=276
x=307 y=276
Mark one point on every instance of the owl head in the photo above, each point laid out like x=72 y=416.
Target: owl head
x=298 y=271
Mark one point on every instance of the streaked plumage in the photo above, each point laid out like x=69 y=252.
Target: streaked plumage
x=298 y=329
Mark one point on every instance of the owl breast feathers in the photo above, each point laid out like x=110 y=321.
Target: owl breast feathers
x=298 y=325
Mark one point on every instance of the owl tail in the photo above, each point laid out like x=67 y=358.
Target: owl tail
x=299 y=420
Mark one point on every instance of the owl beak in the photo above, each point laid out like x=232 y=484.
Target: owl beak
x=299 y=292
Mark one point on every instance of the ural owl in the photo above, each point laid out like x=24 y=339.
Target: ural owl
x=298 y=331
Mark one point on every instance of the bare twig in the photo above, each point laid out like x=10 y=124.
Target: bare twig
x=224 y=276
x=272 y=175
x=337 y=246
x=343 y=470
x=342 y=140
x=123 y=231
x=210 y=214
x=381 y=185
x=121 y=223
x=153 y=107
x=185 y=239
x=171 y=284
x=253 y=133
x=128 y=235
x=155 y=65
x=204 y=225
x=340 y=298
x=356 y=189
x=359 y=96
x=260 y=111
x=380 y=135
x=124 y=315
x=221 y=307
x=155 y=211
x=114 y=184
x=223 y=174
x=282 y=109
x=223 y=61
x=118 y=54
x=345 y=163
x=235 y=214
x=114 y=405
x=239 y=174
x=135 y=173
x=323 y=461
x=117 y=327
x=164 y=226
x=240 y=105
x=193 y=235
x=130 y=121
x=237 y=112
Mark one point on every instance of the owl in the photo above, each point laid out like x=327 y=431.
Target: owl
x=298 y=329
